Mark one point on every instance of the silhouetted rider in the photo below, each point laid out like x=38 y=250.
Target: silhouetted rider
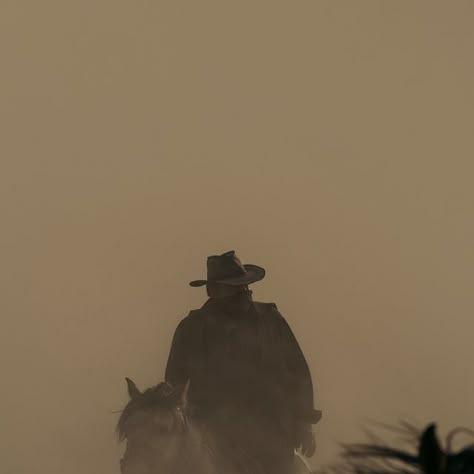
x=249 y=381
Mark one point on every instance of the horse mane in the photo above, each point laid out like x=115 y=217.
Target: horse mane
x=157 y=396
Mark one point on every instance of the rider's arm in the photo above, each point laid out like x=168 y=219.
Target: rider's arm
x=300 y=376
x=176 y=372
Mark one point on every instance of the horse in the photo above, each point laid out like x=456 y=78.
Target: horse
x=427 y=457
x=163 y=437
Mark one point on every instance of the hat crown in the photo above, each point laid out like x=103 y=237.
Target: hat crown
x=227 y=265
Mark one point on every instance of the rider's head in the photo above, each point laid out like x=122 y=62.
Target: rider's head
x=221 y=290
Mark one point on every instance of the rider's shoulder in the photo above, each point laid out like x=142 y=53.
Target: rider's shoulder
x=268 y=308
x=192 y=315
x=189 y=320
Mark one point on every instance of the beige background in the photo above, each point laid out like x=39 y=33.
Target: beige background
x=329 y=141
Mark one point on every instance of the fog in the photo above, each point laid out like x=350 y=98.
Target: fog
x=330 y=142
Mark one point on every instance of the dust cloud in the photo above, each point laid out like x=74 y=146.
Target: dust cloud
x=330 y=142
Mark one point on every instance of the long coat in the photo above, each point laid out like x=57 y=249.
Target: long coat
x=246 y=358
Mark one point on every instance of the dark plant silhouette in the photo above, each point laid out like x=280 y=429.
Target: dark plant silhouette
x=427 y=455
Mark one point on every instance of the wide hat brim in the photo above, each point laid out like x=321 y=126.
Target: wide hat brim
x=253 y=273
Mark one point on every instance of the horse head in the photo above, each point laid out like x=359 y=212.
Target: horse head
x=161 y=438
x=154 y=425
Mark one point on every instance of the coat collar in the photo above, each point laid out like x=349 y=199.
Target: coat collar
x=228 y=305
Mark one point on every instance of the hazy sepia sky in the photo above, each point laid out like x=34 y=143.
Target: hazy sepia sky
x=329 y=141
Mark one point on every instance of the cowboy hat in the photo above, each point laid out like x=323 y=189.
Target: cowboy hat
x=228 y=269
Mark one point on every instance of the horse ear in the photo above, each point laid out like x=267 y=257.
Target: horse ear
x=133 y=391
x=430 y=454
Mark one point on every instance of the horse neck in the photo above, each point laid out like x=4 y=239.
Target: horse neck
x=196 y=456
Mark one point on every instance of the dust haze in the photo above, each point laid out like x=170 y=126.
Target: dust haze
x=330 y=142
